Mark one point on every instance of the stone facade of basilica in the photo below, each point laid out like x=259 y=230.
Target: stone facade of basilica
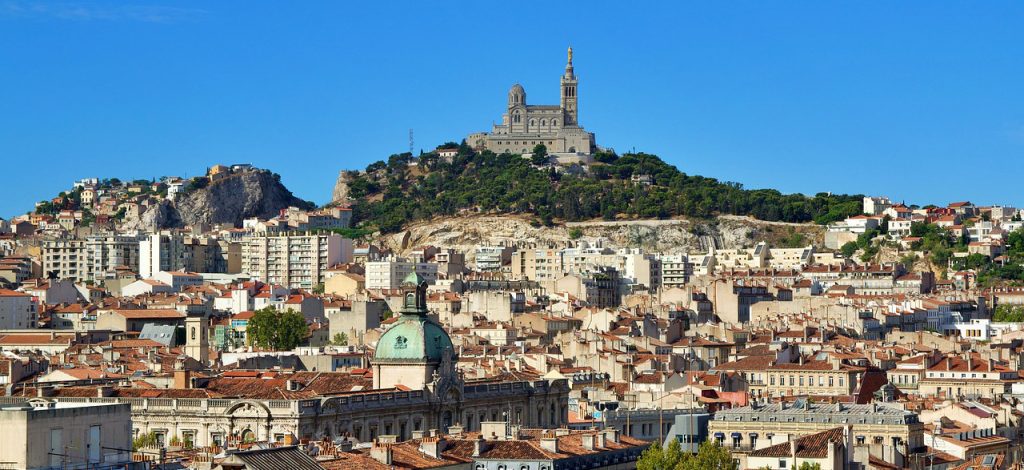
x=523 y=125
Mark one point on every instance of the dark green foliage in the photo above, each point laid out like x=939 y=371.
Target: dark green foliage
x=710 y=456
x=277 y=331
x=1009 y=313
x=387 y=198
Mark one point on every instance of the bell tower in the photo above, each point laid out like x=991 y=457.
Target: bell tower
x=569 y=109
x=197 y=339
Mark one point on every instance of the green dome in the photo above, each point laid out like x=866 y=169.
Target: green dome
x=415 y=338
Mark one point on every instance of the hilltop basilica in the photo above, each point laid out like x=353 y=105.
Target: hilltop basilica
x=523 y=126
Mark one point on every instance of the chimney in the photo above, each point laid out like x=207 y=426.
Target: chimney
x=345 y=445
x=418 y=434
x=432 y=446
x=104 y=391
x=480 y=446
x=792 y=449
x=382 y=452
x=601 y=437
x=549 y=443
x=611 y=434
x=588 y=441
x=455 y=430
x=182 y=379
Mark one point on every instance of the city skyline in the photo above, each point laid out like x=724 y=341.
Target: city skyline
x=886 y=99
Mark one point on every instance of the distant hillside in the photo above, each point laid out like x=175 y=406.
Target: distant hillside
x=238 y=196
x=390 y=194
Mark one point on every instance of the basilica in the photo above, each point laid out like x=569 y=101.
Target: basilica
x=523 y=126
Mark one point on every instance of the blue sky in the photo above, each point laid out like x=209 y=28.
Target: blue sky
x=920 y=101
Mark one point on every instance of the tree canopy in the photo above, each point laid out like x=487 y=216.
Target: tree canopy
x=711 y=455
x=389 y=194
x=274 y=330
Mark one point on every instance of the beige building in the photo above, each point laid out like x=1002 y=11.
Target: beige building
x=40 y=434
x=294 y=260
x=888 y=433
x=525 y=126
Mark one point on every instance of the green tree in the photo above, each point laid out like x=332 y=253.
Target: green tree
x=711 y=456
x=340 y=339
x=277 y=331
x=575 y=233
x=653 y=458
x=808 y=466
x=1008 y=313
x=540 y=155
x=144 y=440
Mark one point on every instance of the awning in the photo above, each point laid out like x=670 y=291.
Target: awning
x=719 y=435
x=737 y=435
x=753 y=434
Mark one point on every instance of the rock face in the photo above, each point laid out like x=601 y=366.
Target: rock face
x=340 y=193
x=240 y=195
x=664 y=236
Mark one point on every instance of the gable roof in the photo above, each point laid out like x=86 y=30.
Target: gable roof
x=811 y=446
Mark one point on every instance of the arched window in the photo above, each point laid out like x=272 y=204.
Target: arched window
x=554 y=122
x=533 y=122
x=543 y=122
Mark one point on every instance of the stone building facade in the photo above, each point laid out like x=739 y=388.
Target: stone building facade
x=361 y=415
x=524 y=126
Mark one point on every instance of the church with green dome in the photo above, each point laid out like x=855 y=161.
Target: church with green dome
x=416 y=351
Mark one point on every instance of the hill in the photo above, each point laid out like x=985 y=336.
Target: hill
x=390 y=194
x=228 y=200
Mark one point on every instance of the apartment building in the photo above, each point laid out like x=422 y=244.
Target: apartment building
x=675 y=270
x=890 y=434
x=293 y=260
x=17 y=310
x=492 y=258
x=174 y=251
x=103 y=253
x=67 y=435
x=89 y=259
x=389 y=274
x=65 y=259
x=537 y=265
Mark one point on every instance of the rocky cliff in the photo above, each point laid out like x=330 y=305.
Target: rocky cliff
x=664 y=236
x=229 y=200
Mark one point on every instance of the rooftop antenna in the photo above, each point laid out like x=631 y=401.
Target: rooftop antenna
x=410 y=141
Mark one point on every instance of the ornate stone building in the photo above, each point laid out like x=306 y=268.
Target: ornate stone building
x=556 y=126
x=418 y=388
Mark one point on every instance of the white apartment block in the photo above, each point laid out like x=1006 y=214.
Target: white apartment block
x=491 y=258
x=160 y=252
x=293 y=260
x=17 y=311
x=65 y=258
x=675 y=270
x=89 y=259
x=103 y=253
x=389 y=274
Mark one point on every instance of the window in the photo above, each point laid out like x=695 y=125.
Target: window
x=94 y=444
x=771 y=379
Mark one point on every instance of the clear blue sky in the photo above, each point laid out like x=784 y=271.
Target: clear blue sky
x=920 y=101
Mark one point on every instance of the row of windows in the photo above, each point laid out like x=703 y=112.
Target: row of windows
x=794 y=380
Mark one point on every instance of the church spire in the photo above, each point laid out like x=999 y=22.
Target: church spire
x=568 y=65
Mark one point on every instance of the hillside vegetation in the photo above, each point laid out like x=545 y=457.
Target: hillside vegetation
x=392 y=193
